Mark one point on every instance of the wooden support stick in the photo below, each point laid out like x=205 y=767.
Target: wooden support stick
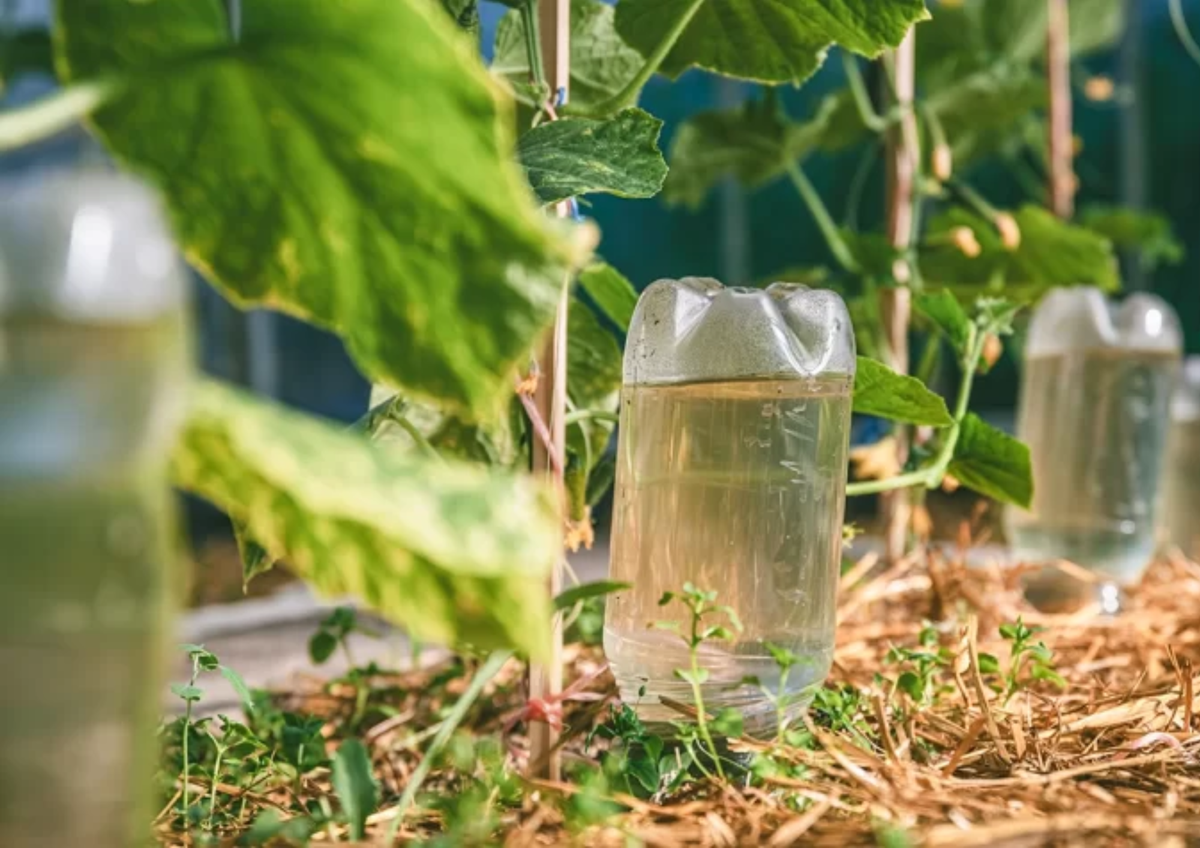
x=545 y=682
x=896 y=303
x=1062 y=138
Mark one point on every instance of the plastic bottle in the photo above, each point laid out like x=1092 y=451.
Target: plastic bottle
x=1094 y=411
x=93 y=372
x=1181 y=492
x=735 y=419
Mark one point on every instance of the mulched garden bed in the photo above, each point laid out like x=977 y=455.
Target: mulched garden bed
x=929 y=732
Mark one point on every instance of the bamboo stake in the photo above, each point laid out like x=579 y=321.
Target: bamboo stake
x=545 y=682
x=1062 y=139
x=896 y=303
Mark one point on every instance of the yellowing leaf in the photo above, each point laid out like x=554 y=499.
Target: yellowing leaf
x=575 y=156
x=765 y=40
x=346 y=162
x=454 y=553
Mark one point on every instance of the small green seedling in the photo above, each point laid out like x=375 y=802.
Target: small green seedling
x=333 y=633
x=702 y=605
x=920 y=679
x=202 y=660
x=1030 y=661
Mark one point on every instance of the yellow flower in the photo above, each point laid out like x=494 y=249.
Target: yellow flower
x=876 y=462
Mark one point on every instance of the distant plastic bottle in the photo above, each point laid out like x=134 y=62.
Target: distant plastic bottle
x=93 y=372
x=1094 y=410
x=735 y=420
x=1181 y=491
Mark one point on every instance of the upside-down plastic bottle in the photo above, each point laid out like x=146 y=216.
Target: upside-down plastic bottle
x=93 y=372
x=1181 y=491
x=735 y=422
x=1094 y=410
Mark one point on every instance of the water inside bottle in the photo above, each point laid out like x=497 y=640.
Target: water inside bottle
x=86 y=523
x=736 y=487
x=1181 y=492
x=1096 y=422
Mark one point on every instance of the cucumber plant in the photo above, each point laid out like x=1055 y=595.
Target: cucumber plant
x=357 y=165
x=980 y=98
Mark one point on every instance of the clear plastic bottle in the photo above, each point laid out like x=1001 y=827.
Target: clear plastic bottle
x=1181 y=491
x=1094 y=411
x=735 y=421
x=93 y=371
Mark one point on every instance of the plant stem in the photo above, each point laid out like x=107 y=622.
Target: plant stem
x=862 y=100
x=701 y=717
x=533 y=42
x=212 y=801
x=974 y=200
x=393 y=409
x=833 y=238
x=417 y=436
x=591 y=415
x=858 y=184
x=931 y=476
x=1179 y=22
x=1061 y=154
x=187 y=731
x=930 y=358
x=780 y=703
x=54 y=113
x=483 y=676
x=937 y=133
x=627 y=96
x=900 y=481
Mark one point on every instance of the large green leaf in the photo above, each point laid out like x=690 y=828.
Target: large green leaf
x=1051 y=253
x=753 y=143
x=612 y=292
x=951 y=46
x=601 y=62
x=1096 y=25
x=756 y=141
x=1148 y=233
x=348 y=163
x=992 y=463
x=454 y=553
x=593 y=381
x=765 y=40
x=943 y=309
x=1016 y=29
x=574 y=156
x=593 y=384
x=980 y=112
x=465 y=13
x=404 y=424
x=880 y=391
x=593 y=359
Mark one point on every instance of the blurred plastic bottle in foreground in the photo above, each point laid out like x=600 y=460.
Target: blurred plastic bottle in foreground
x=1094 y=410
x=731 y=474
x=1181 y=491
x=93 y=370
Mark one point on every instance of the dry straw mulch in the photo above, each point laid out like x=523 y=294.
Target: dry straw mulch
x=1110 y=759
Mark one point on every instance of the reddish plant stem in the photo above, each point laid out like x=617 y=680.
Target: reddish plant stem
x=545 y=681
x=896 y=303
x=1062 y=139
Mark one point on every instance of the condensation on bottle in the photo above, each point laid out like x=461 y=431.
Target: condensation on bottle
x=1181 y=490
x=93 y=373
x=734 y=428
x=1094 y=410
